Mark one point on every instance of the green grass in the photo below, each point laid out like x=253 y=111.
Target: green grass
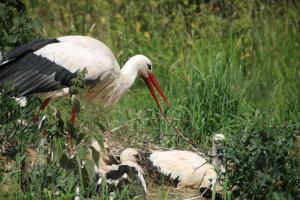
x=235 y=70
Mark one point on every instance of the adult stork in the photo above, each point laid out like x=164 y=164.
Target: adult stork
x=183 y=168
x=47 y=66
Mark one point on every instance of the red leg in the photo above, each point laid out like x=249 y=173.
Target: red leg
x=74 y=114
x=72 y=120
x=35 y=118
x=45 y=103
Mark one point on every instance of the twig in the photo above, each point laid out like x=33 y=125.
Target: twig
x=180 y=133
x=176 y=129
x=196 y=197
x=199 y=196
x=124 y=124
x=128 y=122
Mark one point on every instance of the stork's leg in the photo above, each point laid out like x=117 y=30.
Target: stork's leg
x=35 y=118
x=72 y=120
x=74 y=114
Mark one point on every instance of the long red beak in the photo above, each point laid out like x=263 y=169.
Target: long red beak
x=152 y=80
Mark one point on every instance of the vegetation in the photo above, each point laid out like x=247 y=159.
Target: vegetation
x=16 y=27
x=229 y=67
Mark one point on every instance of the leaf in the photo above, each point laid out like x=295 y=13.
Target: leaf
x=88 y=174
x=81 y=152
x=57 y=149
x=67 y=163
x=71 y=180
x=101 y=126
x=95 y=155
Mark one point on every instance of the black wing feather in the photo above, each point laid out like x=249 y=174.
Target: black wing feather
x=32 y=74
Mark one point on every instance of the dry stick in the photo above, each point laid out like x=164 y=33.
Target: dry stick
x=122 y=125
x=196 y=197
x=177 y=130
x=180 y=133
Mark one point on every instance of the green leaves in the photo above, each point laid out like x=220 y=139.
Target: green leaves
x=16 y=27
x=95 y=155
x=78 y=83
x=264 y=158
x=57 y=149
x=54 y=172
x=230 y=67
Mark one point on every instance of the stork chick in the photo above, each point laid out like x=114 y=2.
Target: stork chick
x=181 y=168
x=117 y=174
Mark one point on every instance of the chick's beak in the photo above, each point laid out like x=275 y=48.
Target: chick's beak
x=150 y=81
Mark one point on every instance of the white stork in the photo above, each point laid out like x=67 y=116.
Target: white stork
x=47 y=66
x=116 y=174
x=182 y=168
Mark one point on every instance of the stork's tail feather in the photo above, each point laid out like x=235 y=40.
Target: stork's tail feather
x=4 y=63
x=6 y=69
x=33 y=74
x=155 y=172
x=125 y=175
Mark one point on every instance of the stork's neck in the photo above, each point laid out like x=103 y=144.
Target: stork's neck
x=129 y=73
x=214 y=149
x=217 y=162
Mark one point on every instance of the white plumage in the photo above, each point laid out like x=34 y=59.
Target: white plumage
x=183 y=168
x=47 y=66
x=190 y=169
x=179 y=168
x=79 y=52
x=115 y=172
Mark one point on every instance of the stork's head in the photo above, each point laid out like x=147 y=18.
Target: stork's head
x=218 y=143
x=218 y=138
x=129 y=154
x=143 y=66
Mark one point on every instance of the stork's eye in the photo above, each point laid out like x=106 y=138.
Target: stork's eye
x=149 y=66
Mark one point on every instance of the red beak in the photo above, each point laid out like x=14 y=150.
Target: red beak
x=152 y=80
